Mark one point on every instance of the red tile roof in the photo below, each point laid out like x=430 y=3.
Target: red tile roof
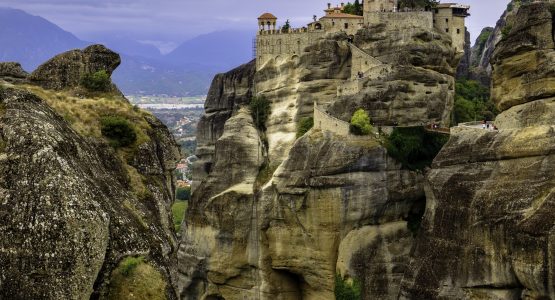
x=267 y=16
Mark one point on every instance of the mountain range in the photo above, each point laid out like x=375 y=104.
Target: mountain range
x=186 y=71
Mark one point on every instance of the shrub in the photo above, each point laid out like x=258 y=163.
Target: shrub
x=505 y=31
x=118 y=130
x=129 y=264
x=97 y=82
x=260 y=111
x=414 y=147
x=360 y=123
x=304 y=125
x=345 y=290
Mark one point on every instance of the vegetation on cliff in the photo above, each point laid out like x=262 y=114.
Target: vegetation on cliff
x=97 y=81
x=304 y=125
x=347 y=289
x=360 y=123
x=414 y=147
x=260 y=109
x=472 y=102
x=354 y=8
x=135 y=278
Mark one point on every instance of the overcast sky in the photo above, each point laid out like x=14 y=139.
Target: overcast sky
x=167 y=23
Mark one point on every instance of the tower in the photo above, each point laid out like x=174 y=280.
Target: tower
x=371 y=6
x=267 y=21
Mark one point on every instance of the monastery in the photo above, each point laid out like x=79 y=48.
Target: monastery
x=281 y=43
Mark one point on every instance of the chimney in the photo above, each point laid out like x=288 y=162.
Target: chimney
x=329 y=5
x=342 y=4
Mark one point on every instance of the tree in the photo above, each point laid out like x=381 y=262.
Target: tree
x=360 y=123
x=353 y=8
x=286 y=27
x=412 y=4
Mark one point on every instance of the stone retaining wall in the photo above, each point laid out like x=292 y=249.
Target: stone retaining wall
x=324 y=121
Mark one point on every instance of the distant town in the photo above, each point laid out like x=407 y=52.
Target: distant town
x=181 y=115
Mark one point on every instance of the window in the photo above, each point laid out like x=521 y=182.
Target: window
x=346 y=25
x=447 y=30
x=458 y=31
x=446 y=20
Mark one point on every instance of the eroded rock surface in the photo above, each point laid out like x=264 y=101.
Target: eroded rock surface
x=488 y=227
x=67 y=69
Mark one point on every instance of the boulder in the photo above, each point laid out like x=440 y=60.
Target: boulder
x=65 y=71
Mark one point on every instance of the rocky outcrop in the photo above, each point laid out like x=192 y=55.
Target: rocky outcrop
x=12 y=72
x=67 y=69
x=463 y=69
x=419 y=86
x=74 y=208
x=227 y=93
x=275 y=216
x=523 y=63
x=488 y=227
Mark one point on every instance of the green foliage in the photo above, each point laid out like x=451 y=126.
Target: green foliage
x=118 y=130
x=178 y=212
x=260 y=109
x=265 y=173
x=129 y=264
x=97 y=82
x=472 y=102
x=345 y=290
x=360 y=123
x=304 y=125
x=183 y=193
x=417 y=3
x=505 y=31
x=353 y=8
x=414 y=147
x=286 y=27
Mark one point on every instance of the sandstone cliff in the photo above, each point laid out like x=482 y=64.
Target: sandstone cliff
x=274 y=216
x=488 y=227
x=75 y=210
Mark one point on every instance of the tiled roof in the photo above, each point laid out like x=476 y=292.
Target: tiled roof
x=267 y=16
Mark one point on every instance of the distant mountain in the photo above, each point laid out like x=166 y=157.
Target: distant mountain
x=222 y=50
x=129 y=47
x=32 y=40
x=144 y=76
x=187 y=71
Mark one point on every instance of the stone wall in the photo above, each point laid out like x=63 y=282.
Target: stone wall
x=323 y=121
x=278 y=45
x=400 y=20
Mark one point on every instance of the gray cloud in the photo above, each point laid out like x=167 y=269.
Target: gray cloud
x=172 y=21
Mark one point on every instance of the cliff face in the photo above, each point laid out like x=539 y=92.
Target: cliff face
x=488 y=227
x=416 y=85
x=73 y=207
x=274 y=216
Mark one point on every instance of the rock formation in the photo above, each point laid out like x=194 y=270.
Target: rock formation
x=73 y=208
x=66 y=70
x=12 y=72
x=488 y=227
x=274 y=216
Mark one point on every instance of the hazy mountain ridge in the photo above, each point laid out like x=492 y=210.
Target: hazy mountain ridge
x=186 y=71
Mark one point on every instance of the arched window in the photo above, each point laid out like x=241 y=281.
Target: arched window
x=318 y=26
